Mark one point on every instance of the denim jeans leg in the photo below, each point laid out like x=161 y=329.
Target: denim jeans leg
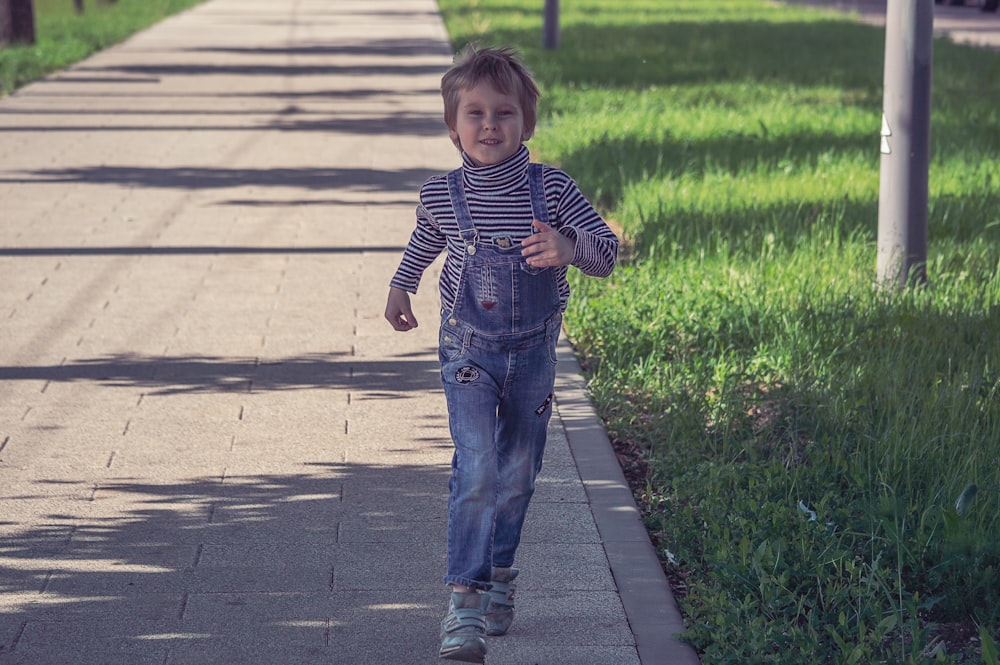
x=524 y=416
x=472 y=413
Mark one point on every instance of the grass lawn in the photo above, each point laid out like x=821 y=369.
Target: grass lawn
x=821 y=458
x=63 y=37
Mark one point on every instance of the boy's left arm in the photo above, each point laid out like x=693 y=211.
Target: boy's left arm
x=595 y=248
x=547 y=248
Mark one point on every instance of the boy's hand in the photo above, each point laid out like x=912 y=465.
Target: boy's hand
x=398 y=312
x=547 y=248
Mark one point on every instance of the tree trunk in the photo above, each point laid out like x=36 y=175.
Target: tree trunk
x=17 y=22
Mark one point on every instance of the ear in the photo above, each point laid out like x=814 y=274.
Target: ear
x=454 y=138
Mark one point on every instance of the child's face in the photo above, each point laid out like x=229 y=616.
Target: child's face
x=489 y=125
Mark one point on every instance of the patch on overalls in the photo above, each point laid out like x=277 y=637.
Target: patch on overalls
x=544 y=406
x=466 y=374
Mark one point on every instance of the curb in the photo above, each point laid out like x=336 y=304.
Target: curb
x=650 y=607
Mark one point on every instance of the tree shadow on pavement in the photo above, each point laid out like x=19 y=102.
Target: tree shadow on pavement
x=276 y=567
x=293 y=547
x=208 y=374
x=192 y=178
x=382 y=47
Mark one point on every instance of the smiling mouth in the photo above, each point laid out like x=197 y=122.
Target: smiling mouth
x=490 y=142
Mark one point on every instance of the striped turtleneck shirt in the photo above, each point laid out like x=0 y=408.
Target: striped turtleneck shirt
x=500 y=204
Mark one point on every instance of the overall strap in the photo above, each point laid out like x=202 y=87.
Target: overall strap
x=536 y=187
x=460 y=205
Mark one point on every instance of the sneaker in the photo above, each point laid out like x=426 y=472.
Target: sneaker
x=463 y=629
x=498 y=602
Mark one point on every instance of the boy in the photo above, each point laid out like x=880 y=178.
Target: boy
x=510 y=229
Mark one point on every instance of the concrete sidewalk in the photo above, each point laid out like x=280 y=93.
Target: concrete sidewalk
x=213 y=449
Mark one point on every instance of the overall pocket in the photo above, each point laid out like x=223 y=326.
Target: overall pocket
x=552 y=337
x=451 y=339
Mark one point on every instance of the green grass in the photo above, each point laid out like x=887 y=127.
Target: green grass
x=743 y=347
x=63 y=37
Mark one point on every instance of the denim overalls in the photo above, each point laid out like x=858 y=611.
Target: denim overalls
x=498 y=359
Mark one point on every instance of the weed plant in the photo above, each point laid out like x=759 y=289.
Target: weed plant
x=824 y=455
x=64 y=37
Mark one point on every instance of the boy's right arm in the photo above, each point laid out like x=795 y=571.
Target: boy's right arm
x=426 y=243
x=398 y=311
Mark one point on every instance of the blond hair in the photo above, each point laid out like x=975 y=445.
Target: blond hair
x=500 y=68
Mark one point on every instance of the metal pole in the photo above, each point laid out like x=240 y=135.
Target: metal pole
x=550 y=36
x=905 y=145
